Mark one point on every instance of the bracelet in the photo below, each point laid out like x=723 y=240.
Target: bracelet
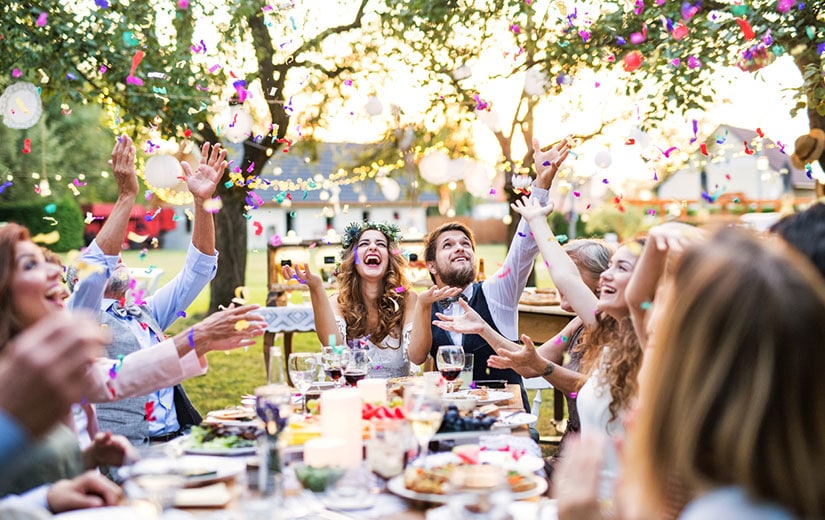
x=191 y=337
x=549 y=369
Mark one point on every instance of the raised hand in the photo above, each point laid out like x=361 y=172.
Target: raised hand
x=547 y=163
x=532 y=209
x=302 y=273
x=435 y=293
x=203 y=181
x=123 y=167
x=468 y=323
x=674 y=236
x=526 y=360
x=228 y=329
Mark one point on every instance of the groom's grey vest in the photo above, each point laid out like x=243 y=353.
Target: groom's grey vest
x=127 y=416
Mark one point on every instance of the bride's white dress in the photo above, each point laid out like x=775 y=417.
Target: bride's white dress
x=390 y=358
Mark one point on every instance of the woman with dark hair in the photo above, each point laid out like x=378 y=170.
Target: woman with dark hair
x=373 y=308
x=31 y=289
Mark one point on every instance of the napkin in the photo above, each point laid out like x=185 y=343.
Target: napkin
x=216 y=495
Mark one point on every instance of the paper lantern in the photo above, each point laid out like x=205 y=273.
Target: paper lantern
x=238 y=124
x=462 y=72
x=433 y=167
x=535 y=82
x=603 y=159
x=478 y=179
x=162 y=171
x=374 y=106
x=458 y=168
x=21 y=105
x=390 y=188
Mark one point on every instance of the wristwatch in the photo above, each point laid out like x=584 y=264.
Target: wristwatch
x=549 y=369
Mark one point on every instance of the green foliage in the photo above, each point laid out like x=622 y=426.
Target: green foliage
x=626 y=222
x=34 y=215
x=67 y=148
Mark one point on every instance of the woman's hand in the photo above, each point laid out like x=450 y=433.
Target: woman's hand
x=532 y=210
x=108 y=449
x=468 y=323
x=526 y=360
x=303 y=274
x=203 y=181
x=547 y=163
x=674 y=236
x=228 y=329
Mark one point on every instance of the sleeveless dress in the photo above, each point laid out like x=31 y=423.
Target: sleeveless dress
x=390 y=358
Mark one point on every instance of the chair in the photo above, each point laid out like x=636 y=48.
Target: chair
x=538 y=384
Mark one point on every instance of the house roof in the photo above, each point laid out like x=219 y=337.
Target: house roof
x=295 y=170
x=777 y=158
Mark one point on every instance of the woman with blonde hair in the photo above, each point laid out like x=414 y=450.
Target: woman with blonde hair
x=733 y=407
x=373 y=308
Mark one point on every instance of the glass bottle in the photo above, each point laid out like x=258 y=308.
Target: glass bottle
x=481 y=275
x=276 y=375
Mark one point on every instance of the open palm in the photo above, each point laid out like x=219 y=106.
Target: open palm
x=204 y=179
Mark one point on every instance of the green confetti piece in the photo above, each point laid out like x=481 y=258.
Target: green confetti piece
x=646 y=305
x=561 y=239
x=50 y=208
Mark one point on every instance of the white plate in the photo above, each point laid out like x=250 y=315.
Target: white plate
x=525 y=464
x=103 y=513
x=203 y=469
x=519 y=419
x=493 y=396
x=220 y=452
x=396 y=486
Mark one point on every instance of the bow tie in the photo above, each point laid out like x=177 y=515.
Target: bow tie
x=446 y=302
x=130 y=309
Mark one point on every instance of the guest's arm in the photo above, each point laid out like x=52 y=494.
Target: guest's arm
x=323 y=306
x=202 y=183
x=421 y=339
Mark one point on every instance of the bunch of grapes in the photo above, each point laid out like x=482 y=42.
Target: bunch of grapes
x=455 y=422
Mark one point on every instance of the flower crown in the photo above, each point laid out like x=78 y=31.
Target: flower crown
x=354 y=230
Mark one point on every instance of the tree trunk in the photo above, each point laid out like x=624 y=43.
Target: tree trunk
x=230 y=240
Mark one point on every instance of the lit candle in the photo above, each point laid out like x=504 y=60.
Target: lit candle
x=373 y=390
x=322 y=452
x=341 y=419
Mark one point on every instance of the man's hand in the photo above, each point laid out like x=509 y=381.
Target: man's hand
x=203 y=181
x=123 y=167
x=109 y=449
x=435 y=293
x=547 y=163
x=228 y=329
x=90 y=489
x=43 y=369
x=470 y=322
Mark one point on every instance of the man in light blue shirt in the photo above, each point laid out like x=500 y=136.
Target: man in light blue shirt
x=137 y=322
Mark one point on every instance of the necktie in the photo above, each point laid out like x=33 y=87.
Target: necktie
x=446 y=302
x=131 y=309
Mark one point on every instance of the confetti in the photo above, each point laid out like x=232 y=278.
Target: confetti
x=181 y=314
x=504 y=273
x=27 y=146
x=241 y=325
x=275 y=241
x=747 y=31
x=51 y=220
x=748 y=151
x=4 y=186
x=131 y=79
x=646 y=305
x=149 y=408
x=704 y=149
x=43 y=19
x=50 y=208
x=47 y=238
x=632 y=60
x=213 y=205
x=400 y=289
x=259 y=228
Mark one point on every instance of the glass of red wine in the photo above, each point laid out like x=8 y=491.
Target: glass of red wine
x=450 y=360
x=333 y=364
x=356 y=365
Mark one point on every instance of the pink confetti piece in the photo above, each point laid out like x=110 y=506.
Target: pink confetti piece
x=504 y=273
x=43 y=19
x=275 y=241
x=400 y=289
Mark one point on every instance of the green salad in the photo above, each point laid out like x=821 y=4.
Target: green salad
x=220 y=436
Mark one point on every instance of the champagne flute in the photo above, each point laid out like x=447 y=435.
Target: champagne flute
x=450 y=362
x=423 y=411
x=333 y=365
x=303 y=369
x=356 y=364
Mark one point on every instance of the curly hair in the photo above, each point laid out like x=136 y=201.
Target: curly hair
x=622 y=362
x=391 y=305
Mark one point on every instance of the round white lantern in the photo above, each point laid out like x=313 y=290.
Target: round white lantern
x=162 y=171
x=21 y=106
x=374 y=106
x=390 y=188
x=535 y=82
x=433 y=167
x=603 y=159
x=478 y=179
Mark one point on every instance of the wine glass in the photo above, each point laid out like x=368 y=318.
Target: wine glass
x=423 y=411
x=303 y=368
x=333 y=365
x=450 y=362
x=356 y=364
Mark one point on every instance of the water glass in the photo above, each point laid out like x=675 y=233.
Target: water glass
x=303 y=369
x=466 y=374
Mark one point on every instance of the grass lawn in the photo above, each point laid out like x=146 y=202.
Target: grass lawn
x=238 y=372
